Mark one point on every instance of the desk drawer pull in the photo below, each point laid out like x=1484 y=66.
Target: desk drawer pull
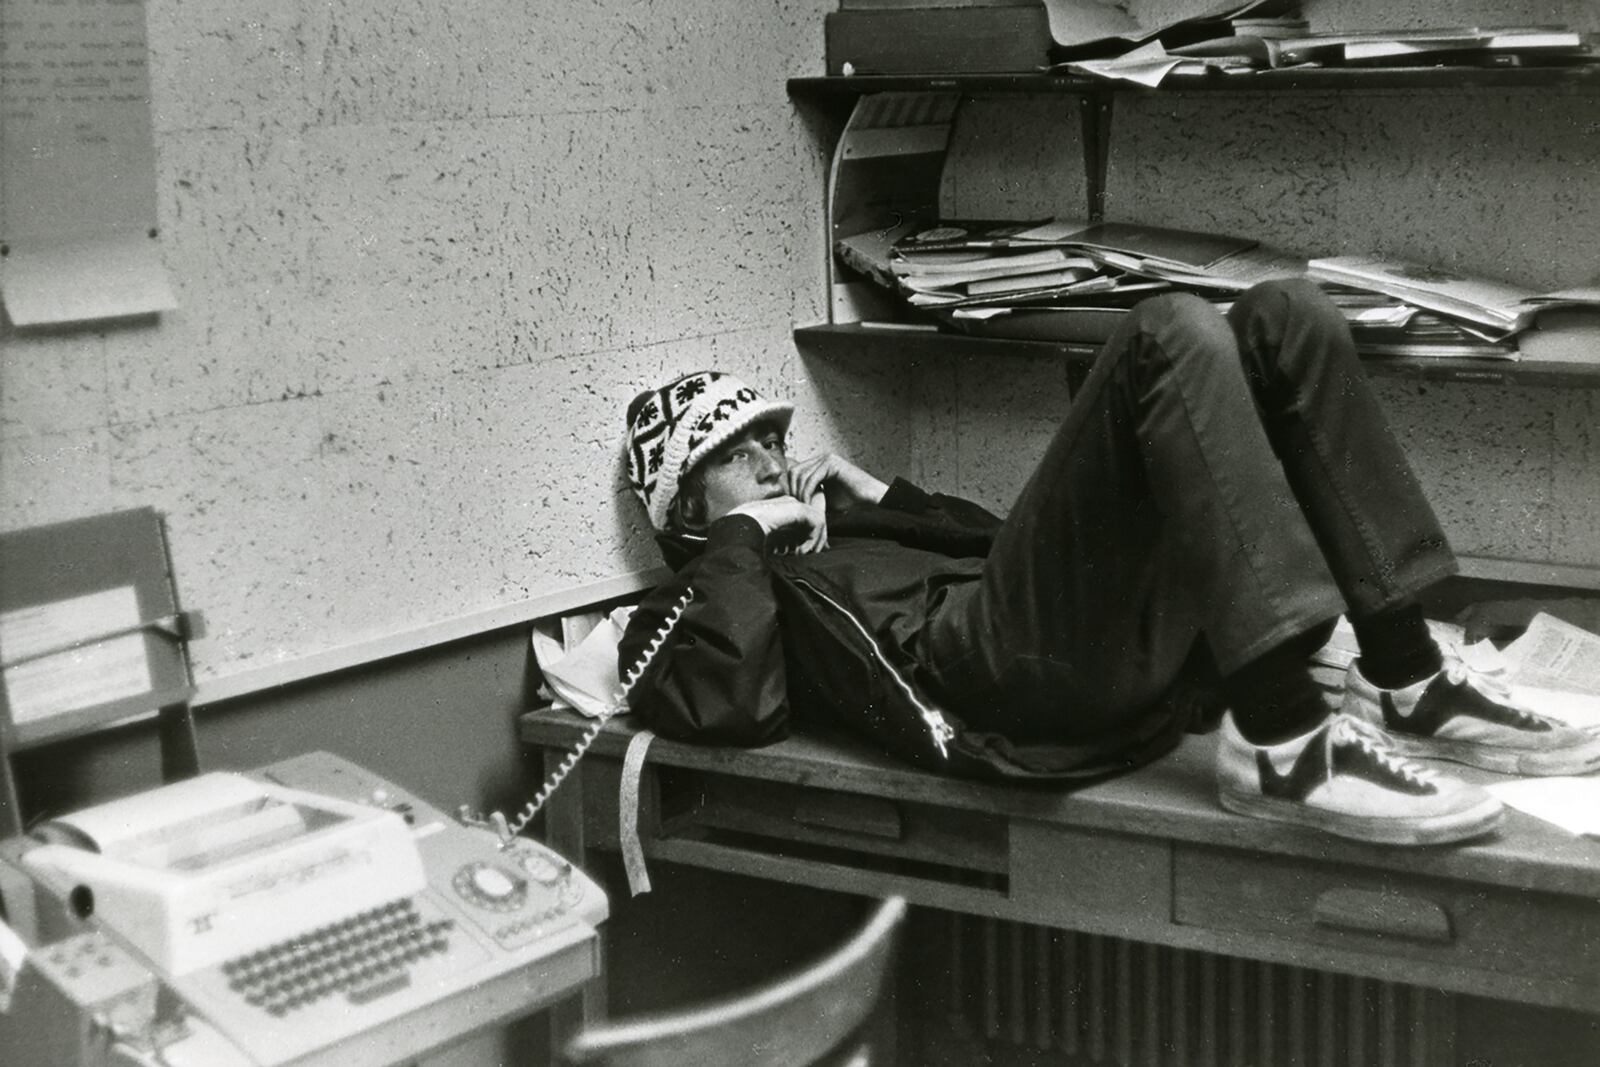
x=871 y=816
x=1367 y=911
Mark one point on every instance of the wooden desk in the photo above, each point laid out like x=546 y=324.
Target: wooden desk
x=1149 y=856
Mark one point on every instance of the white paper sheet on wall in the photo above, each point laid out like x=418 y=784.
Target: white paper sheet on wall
x=77 y=164
x=92 y=278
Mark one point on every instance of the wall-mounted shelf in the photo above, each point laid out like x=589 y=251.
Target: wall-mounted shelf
x=845 y=88
x=854 y=340
x=890 y=154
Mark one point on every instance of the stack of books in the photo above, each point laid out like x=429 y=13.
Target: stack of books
x=1010 y=257
x=1056 y=279
x=1483 y=311
x=1384 y=326
x=983 y=263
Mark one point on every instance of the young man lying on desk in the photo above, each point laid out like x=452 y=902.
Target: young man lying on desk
x=1221 y=489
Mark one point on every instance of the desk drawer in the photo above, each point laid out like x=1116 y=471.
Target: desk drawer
x=1402 y=917
x=847 y=828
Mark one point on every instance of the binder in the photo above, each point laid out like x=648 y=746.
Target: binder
x=954 y=40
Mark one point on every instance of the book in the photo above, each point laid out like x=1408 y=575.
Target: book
x=1015 y=283
x=1083 y=325
x=1093 y=283
x=972 y=264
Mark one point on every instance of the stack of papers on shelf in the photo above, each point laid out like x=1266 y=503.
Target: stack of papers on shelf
x=1069 y=280
x=1498 y=306
x=971 y=263
x=1066 y=279
x=1112 y=249
x=935 y=279
x=1384 y=326
x=1186 y=257
x=1271 y=35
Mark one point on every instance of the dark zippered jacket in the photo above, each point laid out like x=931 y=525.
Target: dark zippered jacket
x=741 y=644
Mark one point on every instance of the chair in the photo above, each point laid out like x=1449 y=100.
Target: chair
x=93 y=587
x=812 y=1016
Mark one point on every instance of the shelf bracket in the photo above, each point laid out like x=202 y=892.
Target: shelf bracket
x=1094 y=110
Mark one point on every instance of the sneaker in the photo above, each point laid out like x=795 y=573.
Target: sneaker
x=1461 y=715
x=1344 y=777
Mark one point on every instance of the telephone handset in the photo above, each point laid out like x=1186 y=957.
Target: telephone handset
x=507 y=830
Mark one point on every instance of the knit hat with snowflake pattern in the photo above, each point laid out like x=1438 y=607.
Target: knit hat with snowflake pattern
x=672 y=428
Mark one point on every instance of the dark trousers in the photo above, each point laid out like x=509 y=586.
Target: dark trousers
x=1222 y=482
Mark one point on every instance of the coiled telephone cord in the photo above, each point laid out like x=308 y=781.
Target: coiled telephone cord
x=506 y=829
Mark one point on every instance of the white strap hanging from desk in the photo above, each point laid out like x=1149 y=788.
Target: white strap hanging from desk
x=628 y=813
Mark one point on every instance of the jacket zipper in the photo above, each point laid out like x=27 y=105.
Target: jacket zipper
x=937 y=726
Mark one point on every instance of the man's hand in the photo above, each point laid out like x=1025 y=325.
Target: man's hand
x=845 y=484
x=791 y=526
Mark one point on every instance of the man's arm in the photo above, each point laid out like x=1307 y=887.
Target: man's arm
x=848 y=487
x=715 y=674
x=932 y=521
x=951 y=512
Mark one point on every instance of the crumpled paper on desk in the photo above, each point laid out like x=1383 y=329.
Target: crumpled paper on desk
x=577 y=654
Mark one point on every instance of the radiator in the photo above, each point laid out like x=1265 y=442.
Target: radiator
x=1102 y=1000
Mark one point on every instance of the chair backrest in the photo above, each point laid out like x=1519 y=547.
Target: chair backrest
x=797 y=1019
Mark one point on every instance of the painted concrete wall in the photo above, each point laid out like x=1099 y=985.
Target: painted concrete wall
x=1500 y=183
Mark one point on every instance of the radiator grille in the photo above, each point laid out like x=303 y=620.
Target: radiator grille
x=1104 y=1000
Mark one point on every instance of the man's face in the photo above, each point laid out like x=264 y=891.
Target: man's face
x=747 y=468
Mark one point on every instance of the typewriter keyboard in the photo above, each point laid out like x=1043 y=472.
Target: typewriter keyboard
x=361 y=957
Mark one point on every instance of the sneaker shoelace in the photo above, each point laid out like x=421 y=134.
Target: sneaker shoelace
x=1375 y=744
x=1458 y=672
